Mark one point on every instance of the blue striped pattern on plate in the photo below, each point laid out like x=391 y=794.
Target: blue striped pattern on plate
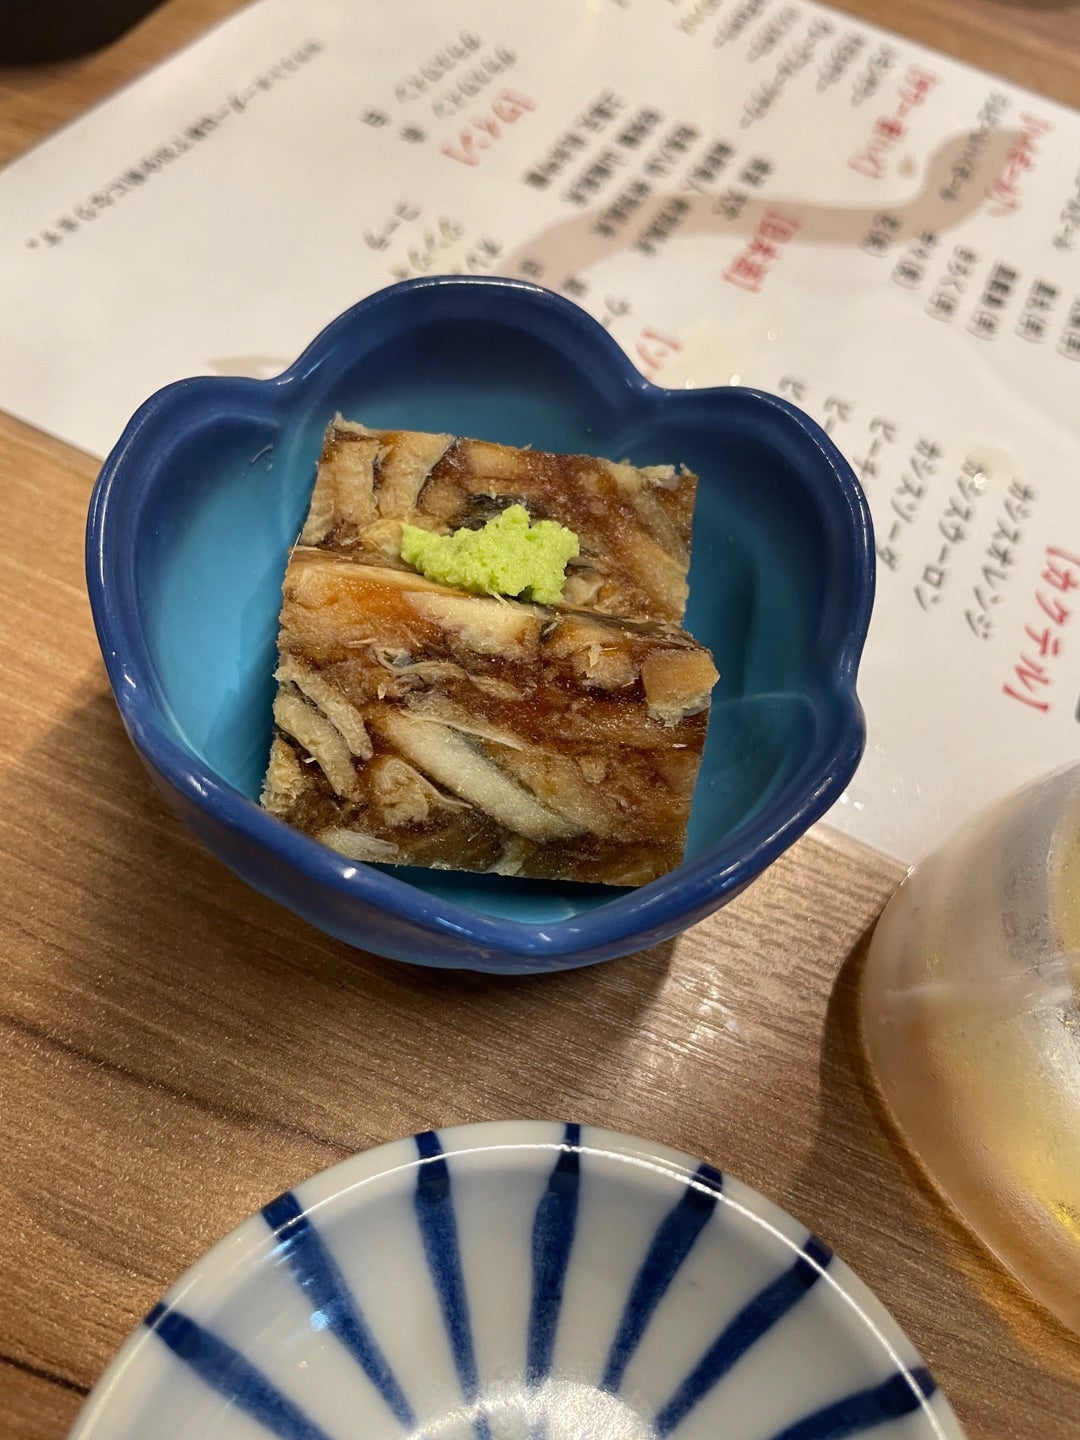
x=519 y=1280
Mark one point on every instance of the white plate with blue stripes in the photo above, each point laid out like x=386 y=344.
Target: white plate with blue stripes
x=518 y=1281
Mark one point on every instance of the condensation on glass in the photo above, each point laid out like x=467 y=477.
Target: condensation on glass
x=971 y=1017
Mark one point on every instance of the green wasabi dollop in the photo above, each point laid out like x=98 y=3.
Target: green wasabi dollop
x=509 y=556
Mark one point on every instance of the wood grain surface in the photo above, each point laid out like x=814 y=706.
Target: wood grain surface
x=175 y=1050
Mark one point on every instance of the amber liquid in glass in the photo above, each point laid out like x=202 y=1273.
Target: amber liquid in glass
x=971 y=1013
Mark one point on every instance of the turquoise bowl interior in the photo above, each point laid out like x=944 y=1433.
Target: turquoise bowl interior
x=197 y=506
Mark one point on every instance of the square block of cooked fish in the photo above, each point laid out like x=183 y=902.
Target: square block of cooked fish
x=632 y=524
x=416 y=724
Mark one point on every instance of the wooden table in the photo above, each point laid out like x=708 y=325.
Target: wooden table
x=175 y=1050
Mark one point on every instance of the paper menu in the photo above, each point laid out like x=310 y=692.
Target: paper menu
x=743 y=191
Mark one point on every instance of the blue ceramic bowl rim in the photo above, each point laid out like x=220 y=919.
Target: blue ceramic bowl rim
x=656 y=910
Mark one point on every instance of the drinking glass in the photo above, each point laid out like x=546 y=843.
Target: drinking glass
x=971 y=1018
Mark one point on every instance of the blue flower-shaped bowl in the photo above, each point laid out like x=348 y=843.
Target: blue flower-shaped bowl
x=196 y=508
x=518 y=1281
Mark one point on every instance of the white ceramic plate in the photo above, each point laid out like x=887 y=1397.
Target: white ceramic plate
x=511 y=1280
